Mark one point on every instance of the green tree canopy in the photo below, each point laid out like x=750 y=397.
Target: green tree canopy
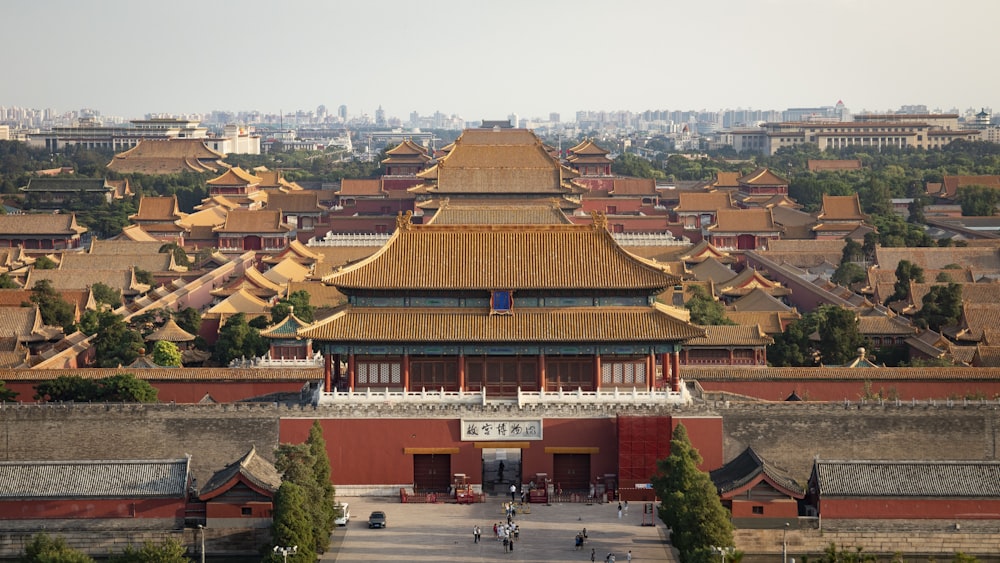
x=120 y=388
x=906 y=272
x=291 y=525
x=941 y=307
x=115 y=344
x=6 y=394
x=170 y=551
x=978 y=201
x=166 y=354
x=237 y=339
x=54 y=309
x=44 y=548
x=848 y=273
x=691 y=507
x=104 y=293
x=297 y=301
x=839 y=338
x=706 y=310
x=180 y=256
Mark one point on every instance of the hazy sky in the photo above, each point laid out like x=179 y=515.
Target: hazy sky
x=485 y=60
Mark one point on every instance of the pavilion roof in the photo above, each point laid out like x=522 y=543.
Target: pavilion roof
x=511 y=257
x=529 y=324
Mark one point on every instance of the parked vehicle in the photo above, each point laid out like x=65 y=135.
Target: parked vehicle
x=377 y=520
x=343 y=514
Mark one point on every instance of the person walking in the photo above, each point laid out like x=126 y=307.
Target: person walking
x=505 y=545
x=593 y=554
x=619 y=511
x=513 y=491
x=628 y=556
x=475 y=534
x=626 y=508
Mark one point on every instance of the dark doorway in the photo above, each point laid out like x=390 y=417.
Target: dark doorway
x=501 y=469
x=571 y=472
x=431 y=473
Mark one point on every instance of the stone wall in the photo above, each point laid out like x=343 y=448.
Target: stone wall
x=913 y=544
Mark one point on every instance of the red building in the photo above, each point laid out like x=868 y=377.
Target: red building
x=756 y=492
x=904 y=490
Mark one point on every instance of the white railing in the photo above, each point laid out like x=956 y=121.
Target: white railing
x=316 y=361
x=350 y=239
x=560 y=397
x=649 y=239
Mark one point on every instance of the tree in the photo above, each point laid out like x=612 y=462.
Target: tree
x=6 y=394
x=978 y=201
x=45 y=549
x=166 y=354
x=55 y=310
x=120 y=388
x=793 y=348
x=324 y=501
x=170 y=551
x=238 y=339
x=853 y=252
x=144 y=277
x=44 y=263
x=115 y=344
x=705 y=310
x=942 y=306
x=7 y=282
x=839 y=338
x=308 y=466
x=189 y=319
x=180 y=256
x=906 y=272
x=104 y=293
x=691 y=507
x=291 y=525
x=848 y=273
x=297 y=301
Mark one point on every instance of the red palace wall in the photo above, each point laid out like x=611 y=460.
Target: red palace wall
x=778 y=508
x=891 y=508
x=372 y=451
x=853 y=390
x=188 y=391
x=224 y=510
x=93 y=508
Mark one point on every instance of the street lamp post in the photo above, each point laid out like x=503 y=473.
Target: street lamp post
x=284 y=551
x=784 y=544
x=722 y=551
x=202 y=532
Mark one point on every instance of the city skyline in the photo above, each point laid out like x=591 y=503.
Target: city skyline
x=490 y=60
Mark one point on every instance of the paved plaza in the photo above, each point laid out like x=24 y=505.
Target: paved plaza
x=443 y=533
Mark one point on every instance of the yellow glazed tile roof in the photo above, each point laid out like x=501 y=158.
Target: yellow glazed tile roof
x=484 y=257
x=572 y=324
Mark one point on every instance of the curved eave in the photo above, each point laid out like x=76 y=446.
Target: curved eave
x=529 y=325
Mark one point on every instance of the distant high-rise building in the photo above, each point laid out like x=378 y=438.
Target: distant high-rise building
x=554 y=117
x=380 y=117
x=342 y=113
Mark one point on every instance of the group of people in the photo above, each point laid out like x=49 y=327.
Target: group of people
x=506 y=533
x=610 y=558
x=580 y=539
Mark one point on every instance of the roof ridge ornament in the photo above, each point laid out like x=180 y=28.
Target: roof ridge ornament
x=403 y=220
x=600 y=220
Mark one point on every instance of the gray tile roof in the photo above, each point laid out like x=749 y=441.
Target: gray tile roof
x=867 y=478
x=93 y=479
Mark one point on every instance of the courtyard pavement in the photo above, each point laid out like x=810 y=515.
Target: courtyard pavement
x=443 y=533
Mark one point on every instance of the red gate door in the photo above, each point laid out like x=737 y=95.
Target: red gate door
x=571 y=471
x=431 y=473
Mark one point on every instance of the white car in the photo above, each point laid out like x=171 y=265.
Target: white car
x=343 y=514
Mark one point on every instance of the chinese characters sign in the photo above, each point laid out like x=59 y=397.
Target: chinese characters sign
x=501 y=429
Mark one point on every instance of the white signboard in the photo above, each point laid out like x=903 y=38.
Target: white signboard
x=499 y=429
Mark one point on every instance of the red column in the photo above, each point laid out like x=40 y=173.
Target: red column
x=406 y=372
x=675 y=375
x=650 y=370
x=541 y=372
x=665 y=368
x=327 y=374
x=350 y=371
x=597 y=372
x=461 y=372
x=336 y=369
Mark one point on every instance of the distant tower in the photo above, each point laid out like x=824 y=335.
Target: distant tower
x=514 y=119
x=380 y=117
x=321 y=112
x=342 y=113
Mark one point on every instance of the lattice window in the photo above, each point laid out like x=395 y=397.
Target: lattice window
x=623 y=373
x=378 y=373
